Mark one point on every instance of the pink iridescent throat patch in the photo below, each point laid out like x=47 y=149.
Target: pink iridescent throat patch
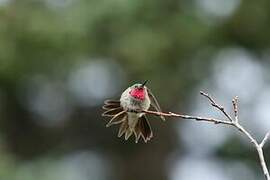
x=138 y=93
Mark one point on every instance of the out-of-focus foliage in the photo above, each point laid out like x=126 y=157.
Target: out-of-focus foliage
x=59 y=59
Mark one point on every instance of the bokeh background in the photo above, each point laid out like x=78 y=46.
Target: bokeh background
x=60 y=59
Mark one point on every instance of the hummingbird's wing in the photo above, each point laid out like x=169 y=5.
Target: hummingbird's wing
x=110 y=104
x=117 y=119
x=154 y=102
x=119 y=115
x=112 y=107
x=112 y=112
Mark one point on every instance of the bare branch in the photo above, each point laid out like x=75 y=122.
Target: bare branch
x=230 y=122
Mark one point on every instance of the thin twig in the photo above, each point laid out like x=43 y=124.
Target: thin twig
x=214 y=104
x=235 y=108
x=230 y=121
x=266 y=137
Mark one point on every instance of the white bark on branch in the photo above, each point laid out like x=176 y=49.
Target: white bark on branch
x=233 y=122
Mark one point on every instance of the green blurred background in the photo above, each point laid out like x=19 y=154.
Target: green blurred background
x=60 y=59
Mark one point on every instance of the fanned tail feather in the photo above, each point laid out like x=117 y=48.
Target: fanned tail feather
x=143 y=129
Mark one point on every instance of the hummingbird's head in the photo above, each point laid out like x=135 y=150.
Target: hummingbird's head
x=138 y=91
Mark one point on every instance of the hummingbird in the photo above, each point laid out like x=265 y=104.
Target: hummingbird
x=128 y=112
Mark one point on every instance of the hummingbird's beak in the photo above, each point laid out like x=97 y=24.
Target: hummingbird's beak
x=143 y=84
